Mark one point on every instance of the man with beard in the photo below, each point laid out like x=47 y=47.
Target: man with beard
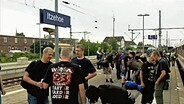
x=161 y=75
x=87 y=68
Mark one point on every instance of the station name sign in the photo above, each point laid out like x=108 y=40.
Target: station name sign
x=152 y=37
x=54 y=18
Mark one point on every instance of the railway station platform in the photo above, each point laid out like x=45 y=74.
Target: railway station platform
x=174 y=95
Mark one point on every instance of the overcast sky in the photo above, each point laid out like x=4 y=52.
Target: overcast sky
x=24 y=14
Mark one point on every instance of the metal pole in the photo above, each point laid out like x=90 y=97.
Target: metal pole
x=160 y=32
x=143 y=35
x=40 y=41
x=70 y=35
x=34 y=44
x=88 y=47
x=132 y=35
x=143 y=28
x=113 y=30
x=56 y=36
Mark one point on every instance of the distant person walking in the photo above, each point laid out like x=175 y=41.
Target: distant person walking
x=34 y=75
x=173 y=58
x=107 y=69
x=99 y=57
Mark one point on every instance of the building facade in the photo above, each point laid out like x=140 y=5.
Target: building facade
x=22 y=43
x=119 y=39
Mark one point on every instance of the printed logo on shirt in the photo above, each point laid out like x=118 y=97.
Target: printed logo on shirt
x=61 y=80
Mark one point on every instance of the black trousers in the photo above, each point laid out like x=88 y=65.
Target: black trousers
x=148 y=93
x=118 y=72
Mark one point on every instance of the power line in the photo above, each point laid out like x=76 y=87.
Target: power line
x=73 y=9
x=26 y=4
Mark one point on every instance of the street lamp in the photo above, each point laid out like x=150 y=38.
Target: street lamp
x=143 y=29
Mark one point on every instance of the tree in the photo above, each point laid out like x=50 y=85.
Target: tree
x=114 y=45
x=36 y=46
x=140 y=44
x=90 y=47
x=20 y=34
x=129 y=48
x=105 y=46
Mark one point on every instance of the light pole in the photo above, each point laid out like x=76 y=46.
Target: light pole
x=143 y=15
x=39 y=39
x=34 y=44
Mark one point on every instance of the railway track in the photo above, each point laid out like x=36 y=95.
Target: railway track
x=13 y=75
x=181 y=69
x=12 y=81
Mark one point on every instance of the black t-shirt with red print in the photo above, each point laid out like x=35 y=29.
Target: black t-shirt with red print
x=64 y=79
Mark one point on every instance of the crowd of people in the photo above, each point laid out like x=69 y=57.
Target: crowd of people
x=148 y=73
x=68 y=79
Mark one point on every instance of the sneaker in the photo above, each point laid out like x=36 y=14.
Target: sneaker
x=111 y=81
x=107 y=80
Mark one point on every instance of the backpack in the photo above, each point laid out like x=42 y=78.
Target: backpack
x=167 y=76
x=25 y=84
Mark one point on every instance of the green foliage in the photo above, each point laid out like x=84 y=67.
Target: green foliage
x=129 y=48
x=20 y=34
x=140 y=44
x=90 y=47
x=13 y=57
x=114 y=45
x=36 y=46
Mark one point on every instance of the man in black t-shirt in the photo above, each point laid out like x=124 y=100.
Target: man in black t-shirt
x=162 y=74
x=87 y=68
x=66 y=80
x=147 y=78
x=34 y=74
x=109 y=94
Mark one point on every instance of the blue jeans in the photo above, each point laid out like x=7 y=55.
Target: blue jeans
x=35 y=100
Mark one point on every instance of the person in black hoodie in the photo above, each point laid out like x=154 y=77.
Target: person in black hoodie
x=109 y=94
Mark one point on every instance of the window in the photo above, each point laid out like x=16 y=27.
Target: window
x=25 y=40
x=9 y=48
x=5 y=39
x=33 y=40
x=16 y=40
